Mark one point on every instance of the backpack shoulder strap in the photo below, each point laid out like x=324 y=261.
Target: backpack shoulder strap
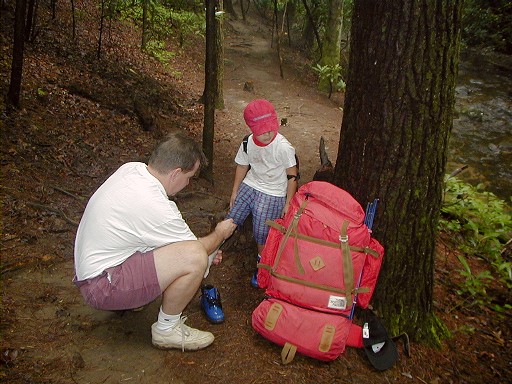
x=245 y=141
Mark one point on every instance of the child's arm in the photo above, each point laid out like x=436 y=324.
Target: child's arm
x=292 y=186
x=241 y=171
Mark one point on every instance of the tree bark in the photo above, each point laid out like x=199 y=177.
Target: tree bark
x=393 y=143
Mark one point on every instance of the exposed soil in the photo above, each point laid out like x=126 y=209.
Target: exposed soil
x=81 y=119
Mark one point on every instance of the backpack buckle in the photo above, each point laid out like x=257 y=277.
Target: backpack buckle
x=344 y=239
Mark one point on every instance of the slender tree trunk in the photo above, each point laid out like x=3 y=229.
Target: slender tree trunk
x=290 y=18
x=393 y=143
x=242 y=9
x=73 y=16
x=145 y=24
x=209 y=90
x=14 y=93
x=310 y=29
x=219 y=53
x=278 y=39
x=102 y=19
x=54 y=8
x=228 y=5
x=29 y=23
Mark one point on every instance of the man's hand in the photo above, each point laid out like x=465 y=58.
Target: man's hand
x=225 y=228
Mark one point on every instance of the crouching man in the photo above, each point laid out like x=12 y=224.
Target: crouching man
x=133 y=245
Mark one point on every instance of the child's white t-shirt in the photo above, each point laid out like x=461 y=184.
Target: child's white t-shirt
x=268 y=165
x=130 y=212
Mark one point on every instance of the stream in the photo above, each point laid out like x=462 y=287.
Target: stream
x=482 y=128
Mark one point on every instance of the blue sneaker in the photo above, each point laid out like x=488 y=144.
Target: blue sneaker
x=211 y=304
x=254 y=279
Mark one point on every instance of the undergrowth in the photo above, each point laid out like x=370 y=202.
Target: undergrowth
x=164 y=22
x=482 y=225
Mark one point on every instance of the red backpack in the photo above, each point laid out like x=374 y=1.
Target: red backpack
x=317 y=261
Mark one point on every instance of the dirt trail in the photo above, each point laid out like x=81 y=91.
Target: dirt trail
x=76 y=344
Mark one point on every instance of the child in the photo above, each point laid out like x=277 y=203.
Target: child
x=266 y=173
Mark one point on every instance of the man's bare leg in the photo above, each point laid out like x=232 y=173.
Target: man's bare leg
x=180 y=269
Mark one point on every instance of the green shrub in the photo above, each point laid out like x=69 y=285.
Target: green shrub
x=332 y=75
x=488 y=24
x=165 y=21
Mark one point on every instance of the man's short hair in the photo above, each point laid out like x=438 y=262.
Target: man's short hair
x=176 y=151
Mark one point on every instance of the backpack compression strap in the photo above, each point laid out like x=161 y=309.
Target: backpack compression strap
x=348 y=267
x=291 y=228
x=282 y=229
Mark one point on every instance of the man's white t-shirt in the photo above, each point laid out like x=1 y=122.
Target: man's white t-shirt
x=130 y=212
x=268 y=165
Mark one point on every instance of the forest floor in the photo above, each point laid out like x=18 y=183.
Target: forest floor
x=80 y=119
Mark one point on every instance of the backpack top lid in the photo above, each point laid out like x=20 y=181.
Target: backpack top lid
x=330 y=204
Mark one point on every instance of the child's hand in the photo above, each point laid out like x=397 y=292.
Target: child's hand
x=232 y=200
x=285 y=209
x=215 y=258
x=218 y=257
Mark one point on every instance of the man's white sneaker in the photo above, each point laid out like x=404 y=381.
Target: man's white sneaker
x=181 y=336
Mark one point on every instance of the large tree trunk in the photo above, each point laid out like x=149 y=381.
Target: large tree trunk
x=393 y=143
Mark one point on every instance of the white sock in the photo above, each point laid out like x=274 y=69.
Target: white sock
x=166 y=322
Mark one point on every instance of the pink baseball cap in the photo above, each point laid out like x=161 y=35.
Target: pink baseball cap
x=261 y=117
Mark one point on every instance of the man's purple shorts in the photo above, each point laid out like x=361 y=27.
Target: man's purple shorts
x=130 y=285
